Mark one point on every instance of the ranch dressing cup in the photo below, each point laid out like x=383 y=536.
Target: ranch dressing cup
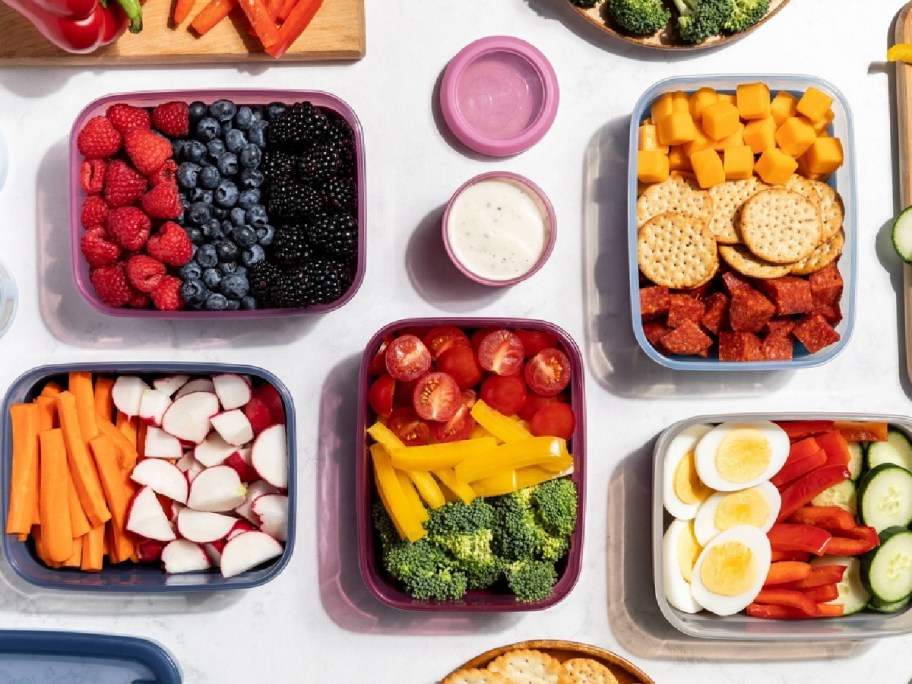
x=499 y=228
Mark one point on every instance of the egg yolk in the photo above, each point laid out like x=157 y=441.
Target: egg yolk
x=688 y=550
x=743 y=455
x=744 y=507
x=688 y=486
x=729 y=569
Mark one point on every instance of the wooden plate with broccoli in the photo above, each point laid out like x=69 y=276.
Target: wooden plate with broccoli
x=678 y=24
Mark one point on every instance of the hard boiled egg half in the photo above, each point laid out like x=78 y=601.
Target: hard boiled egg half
x=740 y=454
x=731 y=569
x=680 y=550
x=683 y=490
x=755 y=506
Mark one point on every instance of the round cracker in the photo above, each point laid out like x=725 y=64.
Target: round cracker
x=677 y=193
x=529 y=665
x=475 y=675
x=780 y=226
x=747 y=263
x=820 y=257
x=677 y=250
x=589 y=671
x=832 y=210
x=727 y=200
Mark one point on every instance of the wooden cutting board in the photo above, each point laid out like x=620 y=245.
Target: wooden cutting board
x=336 y=32
x=904 y=137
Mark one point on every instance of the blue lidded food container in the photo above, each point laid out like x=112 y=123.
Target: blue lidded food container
x=135 y=577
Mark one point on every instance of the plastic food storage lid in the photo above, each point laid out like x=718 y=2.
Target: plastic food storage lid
x=499 y=95
x=43 y=656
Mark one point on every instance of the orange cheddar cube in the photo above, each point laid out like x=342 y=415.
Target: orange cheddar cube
x=824 y=156
x=661 y=107
x=699 y=100
x=700 y=142
x=680 y=101
x=738 y=162
x=760 y=134
x=753 y=101
x=736 y=139
x=822 y=125
x=707 y=167
x=775 y=167
x=727 y=97
x=783 y=106
x=676 y=128
x=648 y=138
x=652 y=166
x=814 y=104
x=795 y=135
x=720 y=119
x=677 y=159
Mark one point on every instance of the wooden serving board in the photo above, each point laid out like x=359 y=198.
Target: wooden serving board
x=337 y=32
x=904 y=139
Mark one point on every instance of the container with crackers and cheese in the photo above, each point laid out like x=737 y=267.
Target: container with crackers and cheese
x=741 y=222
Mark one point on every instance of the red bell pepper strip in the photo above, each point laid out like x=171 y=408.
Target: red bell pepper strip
x=782 y=572
x=853 y=542
x=798 y=429
x=820 y=575
x=791 y=537
x=776 y=556
x=822 y=593
x=836 y=447
x=788 y=597
x=792 y=471
x=862 y=431
x=831 y=518
x=293 y=25
x=806 y=487
x=771 y=612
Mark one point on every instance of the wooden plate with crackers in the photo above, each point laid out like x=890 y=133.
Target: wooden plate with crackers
x=547 y=662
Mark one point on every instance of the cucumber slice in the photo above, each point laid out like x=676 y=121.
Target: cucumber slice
x=886 y=571
x=885 y=497
x=896 y=449
x=902 y=235
x=852 y=594
x=856 y=459
x=893 y=607
x=841 y=494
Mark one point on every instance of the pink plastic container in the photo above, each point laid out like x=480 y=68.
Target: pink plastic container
x=97 y=107
x=383 y=587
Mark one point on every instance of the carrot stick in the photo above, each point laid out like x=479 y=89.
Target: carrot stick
x=274 y=7
x=118 y=489
x=80 y=462
x=182 y=9
x=125 y=447
x=127 y=426
x=51 y=389
x=141 y=439
x=260 y=21
x=93 y=549
x=24 y=481
x=211 y=14
x=294 y=25
x=781 y=572
x=47 y=413
x=56 y=533
x=75 y=560
x=79 y=523
x=39 y=542
x=104 y=403
x=81 y=387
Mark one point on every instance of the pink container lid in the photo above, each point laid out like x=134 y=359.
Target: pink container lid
x=499 y=95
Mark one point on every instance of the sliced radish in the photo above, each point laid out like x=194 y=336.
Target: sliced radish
x=159 y=444
x=248 y=550
x=272 y=512
x=127 y=394
x=214 y=552
x=259 y=415
x=269 y=455
x=271 y=397
x=233 y=390
x=150 y=550
x=204 y=526
x=240 y=461
x=216 y=489
x=185 y=462
x=240 y=526
x=184 y=556
x=188 y=416
x=233 y=426
x=153 y=405
x=195 y=385
x=169 y=384
x=147 y=518
x=163 y=477
x=254 y=490
x=213 y=450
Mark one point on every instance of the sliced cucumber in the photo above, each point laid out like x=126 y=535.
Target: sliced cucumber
x=841 y=494
x=885 y=497
x=887 y=570
x=856 y=459
x=893 y=607
x=852 y=594
x=902 y=234
x=896 y=449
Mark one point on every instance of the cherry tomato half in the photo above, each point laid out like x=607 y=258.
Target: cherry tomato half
x=378 y=363
x=501 y=351
x=460 y=426
x=461 y=363
x=380 y=395
x=534 y=402
x=407 y=358
x=504 y=393
x=437 y=397
x=535 y=340
x=548 y=372
x=408 y=427
x=444 y=337
x=555 y=420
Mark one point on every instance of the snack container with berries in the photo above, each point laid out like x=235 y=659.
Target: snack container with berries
x=524 y=376
x=742 y=222
x=217 y=203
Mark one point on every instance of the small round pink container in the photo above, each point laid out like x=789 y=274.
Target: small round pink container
x=499 y=95
x=542 y=203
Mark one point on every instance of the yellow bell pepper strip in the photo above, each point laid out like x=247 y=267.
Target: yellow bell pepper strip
x=448 y=477
x=534 y=475
x=439 y=456
x=901 y=52
x=386 y=437
x=543 y=451
x=502 y=427
x=411 y=496
x=427 y=487
x=498 y=484
x=479 y=431
x=392 y=496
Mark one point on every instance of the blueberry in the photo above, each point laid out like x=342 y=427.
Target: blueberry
x=216 y=148
x=248 y=198
x=207 y=129
x=226 y=194
x=209 y=177
x=190 y=271
x=250 y=156
x=244 y=236
x=219 y=212
x=196 y=235
x=248 y=302
x=194 y=292
x=234 y=286
x=243 y=118
x=258 y=113
x=238 y=216
x=194 y=151
x=265 y=234
x=198 y=110
x=200 y=195
x=257 y=133
x=228 y=267
x=252 y=255
x=227 y=226
x=251 y=178
x=232 y=305
x=185 y=201
x=177 y=148
x=206 y=256
x=212 y=277
x=199 y=213
x=227 y=251
x=216 y=302
x=235 y=140
x=212 y=229
x=256 y=216
x=187 y=174
x=227 y=163
x=273 y=109
x=241 y=271
x=226 y=126
x=223 y=110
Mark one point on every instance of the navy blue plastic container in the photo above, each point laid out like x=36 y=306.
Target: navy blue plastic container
x=134 y=577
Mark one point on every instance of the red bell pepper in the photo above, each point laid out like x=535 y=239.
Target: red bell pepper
x=820 y=575
x=790 y=537
x=862 y=431
x=833 y=519
x=771 y=612
x=788 y=597
x=80 y=26
x=806 y=487
x=798 y=429
x=822 y=593
x=782 y=572
x=836 y=447
x=853 y=542
x=792 y=470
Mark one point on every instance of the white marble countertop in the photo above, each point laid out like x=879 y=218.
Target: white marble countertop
x=316 y=620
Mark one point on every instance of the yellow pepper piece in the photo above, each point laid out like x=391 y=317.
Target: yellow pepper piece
x=427 y=487
x=534 y=475
x=479 y=431
x=386 y=437
x=901 y=52
x=411 y=495
x=527 y=452
x=392 y=496
x=448 y=477
x=503 y=482
x=502 y=427
x=437 y=456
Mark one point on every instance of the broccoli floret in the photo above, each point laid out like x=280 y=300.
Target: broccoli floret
x=531 y=580
x=745 y=14
x=425 y=571
x=386 y=529
x=638 y=17
x=536 y=522
x=701 y=19
x=517 y=534
x=555 y=504
x=465 y=533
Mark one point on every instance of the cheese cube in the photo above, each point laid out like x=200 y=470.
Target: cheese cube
x=677 y=159
x=707 y=166
x=775 y=167
x=753 y=100
x=736 y=139
x=738 y=162
x=699 y=100
x=676 y=128
x=648 y=138
x=760 y=134
x=783 y=106
x=652 y=166
x=720 y=119
x=795 y=135
x=814 y=104
x=824 y=156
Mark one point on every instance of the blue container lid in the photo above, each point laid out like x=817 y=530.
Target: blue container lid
x=73 y=657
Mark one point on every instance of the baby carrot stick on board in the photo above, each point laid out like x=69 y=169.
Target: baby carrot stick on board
x=24 y=482
x=80 y=462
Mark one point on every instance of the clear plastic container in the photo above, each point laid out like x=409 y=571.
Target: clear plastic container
x=704 y=625
x=843 y=181
x=135 y=577
x=9 y=298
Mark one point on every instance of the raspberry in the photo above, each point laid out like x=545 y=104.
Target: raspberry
x=139 y=300
x=172 y=119
x=98 y=139
x=94 y=212
x=167 y=173
x=144 y=273
x=123 y=184
x=97 y=249
x=129 y=227
x=111 y=284
x=92 y=175
x=166 y=296
x=170 y=245
x=126 y=117
x=147 y=150
x=163 y=201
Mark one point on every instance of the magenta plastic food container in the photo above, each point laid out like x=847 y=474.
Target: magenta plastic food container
x=97 y=107
x=383 y=587
x=499 y=95
x=543 y=204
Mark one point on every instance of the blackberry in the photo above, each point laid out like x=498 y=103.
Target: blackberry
x=319 y=161
x=261 y=277
x=329 y=279
x=340 y=193
x=335 y=235
x=278 y=165
x=289 y=245
x=292 y=199
x=297 y=126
